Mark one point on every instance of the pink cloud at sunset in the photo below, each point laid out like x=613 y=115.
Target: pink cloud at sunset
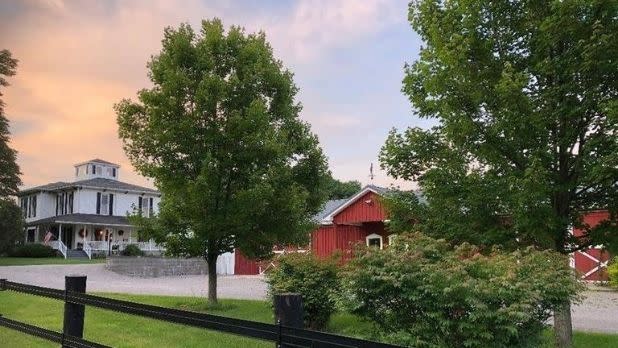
x=78 y=58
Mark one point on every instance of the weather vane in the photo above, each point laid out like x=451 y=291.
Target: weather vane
x=371 y=172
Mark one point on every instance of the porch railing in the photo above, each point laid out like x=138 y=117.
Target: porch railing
x=88 y=250
x=120 y=246
x=58 y=245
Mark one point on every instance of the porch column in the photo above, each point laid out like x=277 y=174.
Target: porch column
x=60 y=232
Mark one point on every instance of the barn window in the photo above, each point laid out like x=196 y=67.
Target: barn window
x=374 y=240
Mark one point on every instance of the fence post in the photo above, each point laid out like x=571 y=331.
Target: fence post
x=288 y=312
x=74 y=313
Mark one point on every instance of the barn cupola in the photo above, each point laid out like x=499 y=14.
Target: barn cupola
x=96 y=168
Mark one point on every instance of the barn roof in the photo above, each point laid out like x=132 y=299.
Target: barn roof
x=328 y=208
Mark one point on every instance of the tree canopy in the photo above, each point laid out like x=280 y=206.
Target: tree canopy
x=11 y=221
x=219 y=133
x=336 y=189
x=9 y=170
x=524 y=95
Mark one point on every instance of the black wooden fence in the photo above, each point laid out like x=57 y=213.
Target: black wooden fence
x=76 y=299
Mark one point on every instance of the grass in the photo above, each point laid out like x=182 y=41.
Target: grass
x=122 y=330
x=25 y=261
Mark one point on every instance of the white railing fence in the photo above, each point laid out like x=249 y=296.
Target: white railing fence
x=58 y=245
x=88 y=250
x=120 y=246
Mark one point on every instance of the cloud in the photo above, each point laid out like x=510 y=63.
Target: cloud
x=78 y=58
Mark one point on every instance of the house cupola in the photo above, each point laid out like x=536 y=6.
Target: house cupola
x=96 y=168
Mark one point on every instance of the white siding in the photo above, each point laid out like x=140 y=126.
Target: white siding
x=123 y=202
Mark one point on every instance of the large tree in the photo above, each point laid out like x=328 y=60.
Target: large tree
x=11 y=222
x=220 y=134
x=524 y=94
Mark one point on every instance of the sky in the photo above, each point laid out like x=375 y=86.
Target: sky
x=78 y=58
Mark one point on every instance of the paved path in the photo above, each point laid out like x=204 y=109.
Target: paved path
x=102 y=280
x=598 y=312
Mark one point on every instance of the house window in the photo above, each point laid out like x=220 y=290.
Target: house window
x=33 y=205
x=374 y=240
x=70 y=203
x=114 y=172
x=30 y=236
x=104 y=204
x=99 y=170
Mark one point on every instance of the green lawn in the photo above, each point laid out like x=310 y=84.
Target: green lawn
x=24 y=261
x=121 y=330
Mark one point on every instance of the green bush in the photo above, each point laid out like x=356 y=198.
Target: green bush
x=423 y=292
x=33 y=250
x=132 y=250
x=315 y=279
x=612 y=271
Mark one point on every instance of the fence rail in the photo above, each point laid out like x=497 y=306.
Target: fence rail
x=284 y=336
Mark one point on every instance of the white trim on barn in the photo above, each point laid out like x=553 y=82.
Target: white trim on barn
x=329 y=218
x=374 y=236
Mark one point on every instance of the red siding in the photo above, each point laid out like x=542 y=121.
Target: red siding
x=589 y=262
x=244 y=266
x=367 y=208
x=328 y=239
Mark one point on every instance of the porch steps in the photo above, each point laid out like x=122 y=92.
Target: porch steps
x=76 y=254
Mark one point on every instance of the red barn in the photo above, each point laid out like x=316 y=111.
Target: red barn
x=342 y=223
x=361 y=219
x=345 y=222
x=591 y=263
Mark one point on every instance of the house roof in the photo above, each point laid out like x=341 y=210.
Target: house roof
x=98 y=160
x=97 y=183
x=87 y=219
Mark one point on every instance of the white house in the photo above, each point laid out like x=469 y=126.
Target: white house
x=88 y=214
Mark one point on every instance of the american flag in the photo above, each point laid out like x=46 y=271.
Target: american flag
x=48 y=237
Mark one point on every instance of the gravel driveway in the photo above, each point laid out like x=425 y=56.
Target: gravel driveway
x=102 y=280
x=598 y=312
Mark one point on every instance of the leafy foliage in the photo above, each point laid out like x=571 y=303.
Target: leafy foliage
x=132 y=250
x=11 y=220
x=423 y=292
x=524 y=95
x=336 y=189
x=220 y=134
x=33 y=250
x=11 y=225
x=9 y=170
x=315 y=279
x=612 y=272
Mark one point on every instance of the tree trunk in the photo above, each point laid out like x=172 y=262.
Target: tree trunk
x=211 y=260
x=563 y=330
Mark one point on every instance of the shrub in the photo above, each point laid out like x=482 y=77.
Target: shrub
x=315 y=279
x=422 y=292
x=612 y=272
x=132 y=250
x=33 y=250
